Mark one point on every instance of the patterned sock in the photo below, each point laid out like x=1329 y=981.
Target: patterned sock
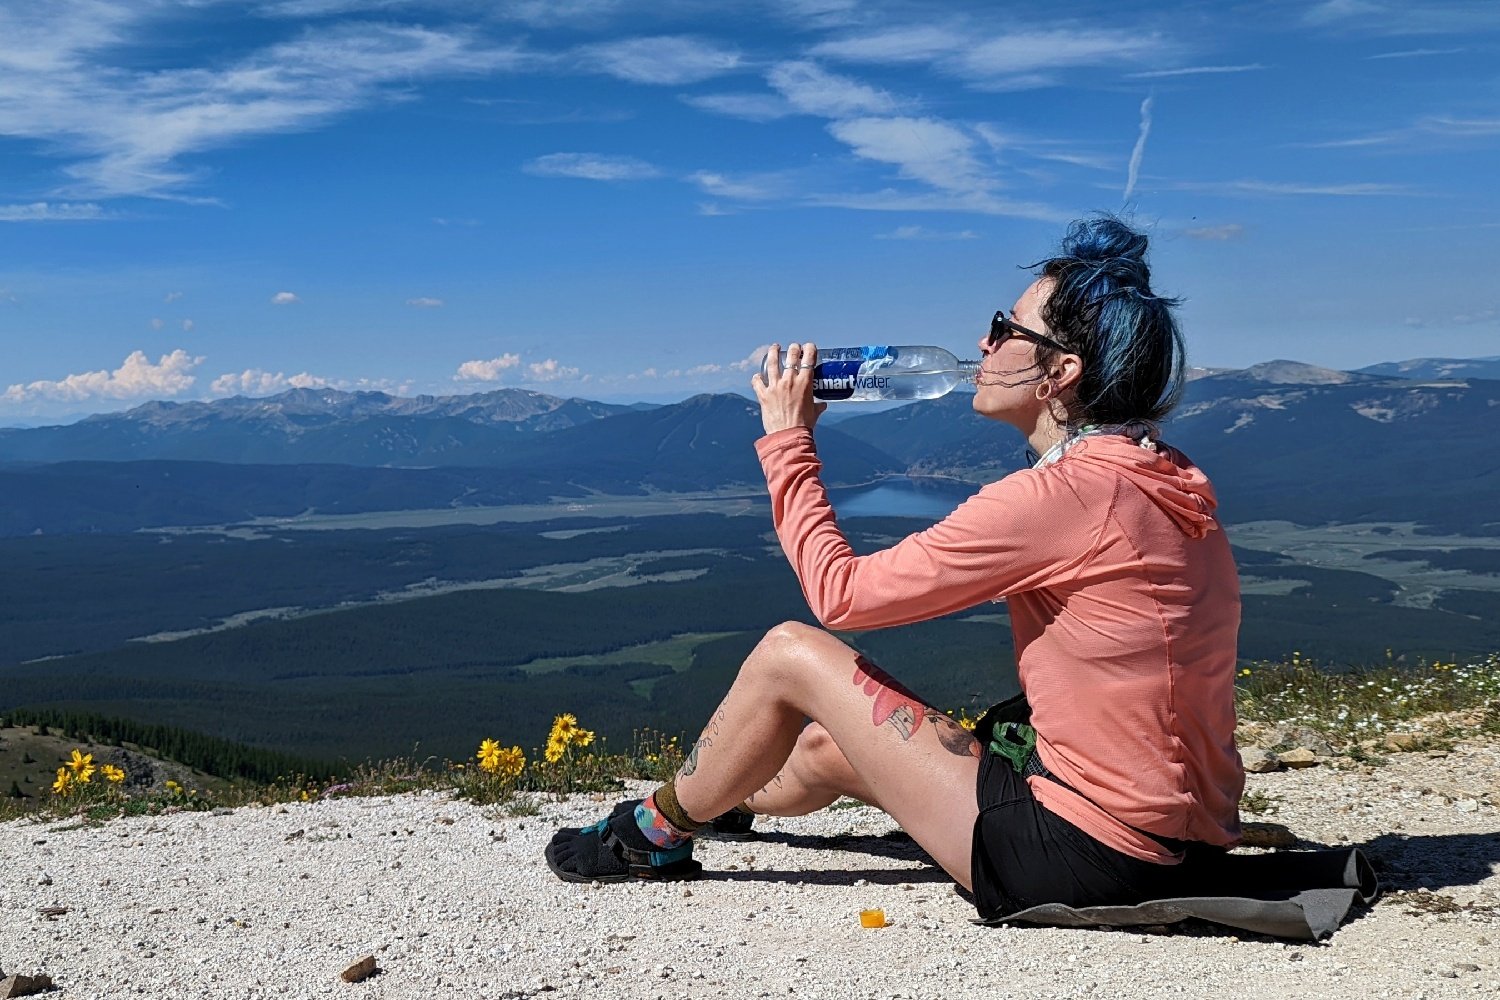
x=662 y=819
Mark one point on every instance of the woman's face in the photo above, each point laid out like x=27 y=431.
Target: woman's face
x=1008 y=374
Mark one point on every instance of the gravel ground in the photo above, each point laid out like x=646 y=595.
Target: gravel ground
x=454 y=900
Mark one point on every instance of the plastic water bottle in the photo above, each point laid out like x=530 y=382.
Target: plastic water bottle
x=880 y=373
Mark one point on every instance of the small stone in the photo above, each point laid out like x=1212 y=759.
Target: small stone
x=1467 y=805
x=1402 y=742
x=23 y=986
x=1257 y=761
x=52 y=912
x=1266 y=835
x=1298 y=758
x=687 y=894
x=1466 y=967
x=359 y=971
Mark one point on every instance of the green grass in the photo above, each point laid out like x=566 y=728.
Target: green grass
x=1364 y=711
x=1362 y=706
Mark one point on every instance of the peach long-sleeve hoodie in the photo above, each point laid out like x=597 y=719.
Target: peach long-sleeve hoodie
x=1124 y=604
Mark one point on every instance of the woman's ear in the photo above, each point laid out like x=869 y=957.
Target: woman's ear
x=1067 y=370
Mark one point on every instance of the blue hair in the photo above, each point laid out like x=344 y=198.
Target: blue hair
x=1101 y=306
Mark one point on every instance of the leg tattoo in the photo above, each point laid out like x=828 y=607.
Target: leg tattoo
x=691 y=764
x=894 y=704
x=955 y=738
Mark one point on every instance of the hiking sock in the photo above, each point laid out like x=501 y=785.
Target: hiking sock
x=663 y=821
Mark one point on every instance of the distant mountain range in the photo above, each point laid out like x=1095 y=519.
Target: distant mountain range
x=1281 y=440
x=1434 y=368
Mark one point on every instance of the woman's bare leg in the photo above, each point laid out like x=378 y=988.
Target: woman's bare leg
x=815 y=776
x=911 y=760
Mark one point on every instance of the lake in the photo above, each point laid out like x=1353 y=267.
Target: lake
x=904 y=496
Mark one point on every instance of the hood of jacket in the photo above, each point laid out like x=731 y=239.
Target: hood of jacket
x=1161 y=472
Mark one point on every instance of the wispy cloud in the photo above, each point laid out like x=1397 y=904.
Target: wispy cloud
x=1006 y=60
x=750 y=107
x=1449 y=129
x=1254 y=188
x=662 y=59
x=425 y=302
x=923 y=233
x=812 y=90
x=1133 y=172
x=742 y=187
x=258 y=382
x=491 y=370
x=1195 y=71
x=42 y=211
x=1400 y=17
x=1415 y=53
x=1220 y=234
x=929 y=150
x=126 y=128
x=1008 y=142
x=171 y=296
x=136 y=378
x=592 y=167
x=978 y=203
x=285 y=299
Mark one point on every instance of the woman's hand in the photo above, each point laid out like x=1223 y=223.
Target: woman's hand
x=785 y=396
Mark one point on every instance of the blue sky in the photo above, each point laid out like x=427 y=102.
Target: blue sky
x=623 y=200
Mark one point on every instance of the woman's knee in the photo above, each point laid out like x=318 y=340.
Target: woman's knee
x=790 y=651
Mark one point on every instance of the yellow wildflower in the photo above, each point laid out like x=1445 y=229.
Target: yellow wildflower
x=114 y=774
x=509 y=763
x=81 y=762
x=967 y=723
x=64 y=781
x=563 y=727
x=489 y=755
x=173 y=786
x=583 y=737
x=556 y=746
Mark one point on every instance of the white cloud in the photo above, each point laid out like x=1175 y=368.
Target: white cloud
x=714 y=209
x=466 y=223
x=1194 y=71
x=156 y=323
x=1285 y=188
x=284 y=299
x=486 y=371
x=1005 y=61
x=592 y=166
x=746 y=187
x=906 y=44
x=1415 y=53
x=976 y=202
x=42 y=211
x=126 y=125
x=813 y=90
x=923 y=233
x=136 y=378
x=750 y=107
x=187 y=326
x=1133 y=172
x=924 y=149
x=258 y=382
x=1228 y=231
x=662 y=59
x=549 y=371
x=424 y=302
x=172 y=297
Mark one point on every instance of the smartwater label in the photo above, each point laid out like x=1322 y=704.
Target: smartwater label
x=853 y=370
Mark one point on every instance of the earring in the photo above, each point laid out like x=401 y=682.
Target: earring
x=1044 y=391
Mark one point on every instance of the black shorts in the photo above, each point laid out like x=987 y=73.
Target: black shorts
x=1024 y=855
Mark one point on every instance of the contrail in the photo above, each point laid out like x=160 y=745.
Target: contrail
x=1140 y=148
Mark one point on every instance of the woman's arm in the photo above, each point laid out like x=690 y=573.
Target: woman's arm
x=1017 y=534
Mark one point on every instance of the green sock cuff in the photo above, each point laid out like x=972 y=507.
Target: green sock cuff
x=665 y=798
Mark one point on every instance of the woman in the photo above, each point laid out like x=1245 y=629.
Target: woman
x=1123 y=600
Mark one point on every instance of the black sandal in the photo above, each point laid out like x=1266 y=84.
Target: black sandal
x=615 y=850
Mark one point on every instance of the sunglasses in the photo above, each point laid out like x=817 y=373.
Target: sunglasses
x=1002 y=328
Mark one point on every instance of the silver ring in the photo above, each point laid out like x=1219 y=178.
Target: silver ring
x=800 y=367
